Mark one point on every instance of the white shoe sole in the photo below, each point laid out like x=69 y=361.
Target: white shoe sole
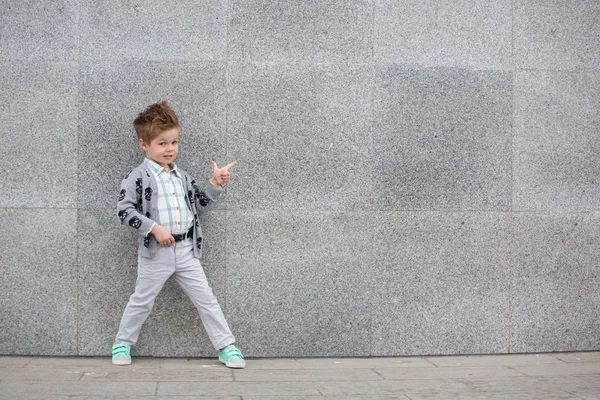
x=238 y=364
x=121 y=362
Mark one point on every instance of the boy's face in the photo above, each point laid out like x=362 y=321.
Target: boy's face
x=163 y=149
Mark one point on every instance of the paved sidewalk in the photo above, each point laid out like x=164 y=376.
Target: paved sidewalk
x=529 y=376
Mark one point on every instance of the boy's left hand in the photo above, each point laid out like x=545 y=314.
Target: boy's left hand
x=221 y=175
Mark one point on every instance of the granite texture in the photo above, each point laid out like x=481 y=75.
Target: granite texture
x=468 y=33
x=310 y=30
x=39 y=30
x=114 y=93
x=555 y=297
x=301 y=136
x=554 y=34
x=38 y=260
x=38 y=125
x=153 y=30
x=413 y=177
x=298 y=283
x=442 y=139
x=108 y=270
x=439 y=283
x=556 y=141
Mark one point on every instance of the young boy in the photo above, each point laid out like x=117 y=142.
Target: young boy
x=163 y=204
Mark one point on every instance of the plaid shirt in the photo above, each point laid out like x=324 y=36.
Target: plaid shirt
x=173 y=212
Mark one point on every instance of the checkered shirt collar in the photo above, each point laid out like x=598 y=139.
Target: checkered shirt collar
x=157 y=169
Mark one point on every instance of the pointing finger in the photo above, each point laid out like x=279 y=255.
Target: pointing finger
x=226 y=168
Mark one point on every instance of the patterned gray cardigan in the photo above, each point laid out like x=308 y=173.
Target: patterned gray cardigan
x=137 y=206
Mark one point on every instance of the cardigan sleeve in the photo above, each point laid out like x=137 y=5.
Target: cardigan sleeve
x=130 y=204
x=204 y=199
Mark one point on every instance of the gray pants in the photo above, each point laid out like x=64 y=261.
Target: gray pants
x=178 y=261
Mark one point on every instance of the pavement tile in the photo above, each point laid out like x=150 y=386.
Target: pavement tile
x=146 y=374
x=13 y=362
x=569 y=376
x=528 y=383
x=273 y=363
x=589 y=394
x=563 y=369
x=501 y=359
x=382 y=362
x=192 y=397
x=447 y=372
x=336 y=397
x=398 y=396
x=197 y=397
x=27 y=389
x=199 y=364
x=559 y=395
x=71 y=362
x=593 y=356
x=585 y=383
x=189 y=363
x=380 y=388
x=237 y=388
x=17 y=396
x=39 y=374
x=286 y=397
x=592 y=396
x=306 y=375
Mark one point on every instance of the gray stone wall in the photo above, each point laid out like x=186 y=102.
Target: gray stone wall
x=414 y=177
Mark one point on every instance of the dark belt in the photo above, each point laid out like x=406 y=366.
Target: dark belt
x=183 y=236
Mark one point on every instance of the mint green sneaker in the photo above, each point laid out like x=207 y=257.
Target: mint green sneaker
x=232 y=357
x=121 y=354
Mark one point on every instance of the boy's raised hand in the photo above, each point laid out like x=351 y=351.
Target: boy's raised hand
x=221 y=175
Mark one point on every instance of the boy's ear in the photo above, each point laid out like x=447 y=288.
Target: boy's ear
x=143 y=145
